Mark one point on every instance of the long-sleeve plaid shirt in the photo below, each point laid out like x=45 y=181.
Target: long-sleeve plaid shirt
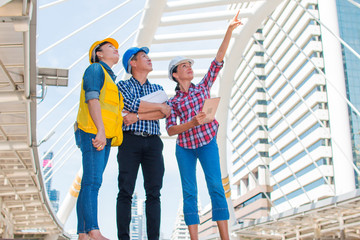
x=187 y=105
x=132 y=91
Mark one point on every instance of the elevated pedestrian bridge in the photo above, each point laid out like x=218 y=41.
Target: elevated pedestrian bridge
x=266 y=47
x=25 y=208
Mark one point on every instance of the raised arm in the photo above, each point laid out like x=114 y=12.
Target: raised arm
x=234 y=23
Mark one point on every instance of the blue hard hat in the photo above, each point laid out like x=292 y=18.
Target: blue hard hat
x=128 y=55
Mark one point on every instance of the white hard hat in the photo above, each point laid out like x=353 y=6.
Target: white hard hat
x=176 y=61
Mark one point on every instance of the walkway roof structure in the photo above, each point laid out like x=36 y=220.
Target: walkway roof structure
x=25 y=208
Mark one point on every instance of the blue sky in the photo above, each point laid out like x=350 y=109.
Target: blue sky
x=55 y=23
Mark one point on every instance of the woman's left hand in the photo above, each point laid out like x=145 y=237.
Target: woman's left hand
x=100 y=141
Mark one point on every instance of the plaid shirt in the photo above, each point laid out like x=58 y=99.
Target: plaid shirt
x=187 y=105
x=132 y=91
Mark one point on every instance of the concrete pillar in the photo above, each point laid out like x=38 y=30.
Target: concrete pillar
x=243 y=187
x=262 y=176
x=70 y=199
x=297 y=234
x=6 y=223
x=342 y=228
x=51 y=237
x=338 y=110
x=252 y=182
x=317 y=232
x=149 y=22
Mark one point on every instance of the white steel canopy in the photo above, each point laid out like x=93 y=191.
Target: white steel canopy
x=25 y=209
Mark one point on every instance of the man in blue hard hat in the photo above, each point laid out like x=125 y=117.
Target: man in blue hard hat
x=141 y=143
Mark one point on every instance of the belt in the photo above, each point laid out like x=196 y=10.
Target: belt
x=140 y=134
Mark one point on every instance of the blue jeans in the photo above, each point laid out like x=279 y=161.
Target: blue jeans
x=94 y=163
x=208 y=156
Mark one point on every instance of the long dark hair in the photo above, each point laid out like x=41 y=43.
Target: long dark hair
x=177 y=85
x=98 y=49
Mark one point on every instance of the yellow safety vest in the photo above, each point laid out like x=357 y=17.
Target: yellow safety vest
x=111 y=106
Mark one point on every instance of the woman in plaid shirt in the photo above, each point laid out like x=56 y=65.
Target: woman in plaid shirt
x=197 y=138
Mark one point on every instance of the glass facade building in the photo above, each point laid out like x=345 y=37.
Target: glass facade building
x=282 y=137
x=54 y=195
x=280 y=117
x=138 y=219
x=349 y=19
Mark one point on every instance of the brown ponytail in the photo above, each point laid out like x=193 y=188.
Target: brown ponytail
x=177 y=88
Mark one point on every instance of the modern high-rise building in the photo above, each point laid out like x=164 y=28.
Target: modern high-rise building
x=143 y=235
x=47 y=169
x=294 y=138
x=53 y=194
x=180 y=231
x=349 y=17
x=207 y=227
x=138 y=219
x=135 y=219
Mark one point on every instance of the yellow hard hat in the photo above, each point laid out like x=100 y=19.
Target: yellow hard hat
x=96 y=44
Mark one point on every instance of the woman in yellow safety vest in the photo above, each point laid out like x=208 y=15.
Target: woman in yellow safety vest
x=99 y=123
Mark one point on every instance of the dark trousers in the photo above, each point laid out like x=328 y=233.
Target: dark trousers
x=147 y=152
